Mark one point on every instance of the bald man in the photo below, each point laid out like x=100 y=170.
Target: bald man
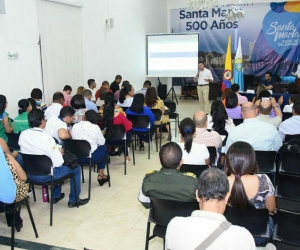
x=265 y=109
x=210 y=139
x=261 y=135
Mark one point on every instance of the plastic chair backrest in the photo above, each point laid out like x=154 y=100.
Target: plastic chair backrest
x=118 y=132
x=81 y=148
x=255 y=220
x=170 y=105
x=163 y=211
x=290 y=162
x=288 y=186
x=195 y=169
x=212 y=155
x=287 y=227
x=286 y=115
x=13 y=140
x=139 y=121
x=237 y=121
x=265 y=161
x=290 y=137
x=37 y=164
x=157 y=114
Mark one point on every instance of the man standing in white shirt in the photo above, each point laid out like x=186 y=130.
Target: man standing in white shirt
x=54 y=109
x=92 y=88
x=57 y=126
x=36 y=142
x=189 y=232
x=203 y=77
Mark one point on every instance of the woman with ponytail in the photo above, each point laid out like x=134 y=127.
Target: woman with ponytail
x=126 y=96
x=192 y=153
x=21 y=121
x=248 y=190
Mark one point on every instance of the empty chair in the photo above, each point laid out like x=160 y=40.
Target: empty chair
x=290 y=162
x=195 y=169
x=265 y=161
x=162 y=212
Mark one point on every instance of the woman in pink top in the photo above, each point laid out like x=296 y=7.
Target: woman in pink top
x=112 y=116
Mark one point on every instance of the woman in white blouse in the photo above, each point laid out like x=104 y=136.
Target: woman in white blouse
x=126 y=96
x=89 y=130
x=192 y=153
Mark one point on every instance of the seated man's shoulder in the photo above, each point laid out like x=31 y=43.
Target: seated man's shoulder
x=189 y=175
x=151 y=172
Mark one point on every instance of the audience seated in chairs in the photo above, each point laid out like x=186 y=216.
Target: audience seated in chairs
x=253 y=131
x=57 y=127
x=192 y=152
x=288 y=107
x=292 y=89
x=87 y=94
x=209 y=139
x=21 y=121
x=78 y=103
x=5 y=121
x=112 y=116
x=265 y=108
x=248 y=189
x=266 y=94
x=181 y=186
x=147 y=84
x=56 y=106
x=291 y=126
x=116 y=94
x=79 y=91
x=193 y=232
x=14 y=187
x=37 y=95
x=104 y=86
x=89 y=130
x=232 y=106
x=138 y=108
x=225 y=94
x=37 y=142
x=154 y=102
x=67 y=90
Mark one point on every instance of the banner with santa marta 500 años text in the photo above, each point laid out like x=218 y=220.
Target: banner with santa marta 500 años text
x=269 y=33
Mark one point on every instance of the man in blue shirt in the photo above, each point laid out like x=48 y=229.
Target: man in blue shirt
x=260 y=135
x=87 y=94
x=269 y=82
x=291 y=126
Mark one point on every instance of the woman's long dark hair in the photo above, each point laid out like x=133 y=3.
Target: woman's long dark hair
x=219 y=115
x=151 y=97
x=240 y=160
x=124 y=91
x=2 y=104
x=231 y=101
x=108 y=116
x=23 y=105
x=187 y=129
x=137 y=105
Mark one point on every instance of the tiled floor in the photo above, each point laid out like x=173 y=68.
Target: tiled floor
x=113 y=219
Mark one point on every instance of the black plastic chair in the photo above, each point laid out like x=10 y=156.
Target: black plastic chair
x=17 y=206
x=141 y=121
x=289 y=162
x=212 y=156
x=189 y=86
x=172 y=113
x=82 y=149
x=290 y=137
x=13 y=141
x=286 y=231
x=158 y=118
x=266 y=163
x=119 y=134
x=237 y=121
x=286 y=115
x=195 y=169
x=162 y=212
x=256 y=221
x=41 y=165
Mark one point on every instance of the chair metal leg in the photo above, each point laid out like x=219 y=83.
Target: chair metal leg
x=160 y=136
x=82 y=174
x=149 y=146
x=90 y=178
x=51 y=202
x=12 y=240
x=33 y=191
x=31 y=218
x=107 y=169
x=133 y=154
x=47 y=189
x=156 y=138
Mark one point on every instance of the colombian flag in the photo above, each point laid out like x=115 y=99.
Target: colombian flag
x=227 y=75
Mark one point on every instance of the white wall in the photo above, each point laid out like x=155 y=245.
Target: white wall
x=106 y=52
x=122 y=49
x=19 y=32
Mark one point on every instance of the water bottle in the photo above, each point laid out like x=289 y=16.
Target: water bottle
x=44 y=193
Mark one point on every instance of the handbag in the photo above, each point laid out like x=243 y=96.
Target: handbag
x=70 y=159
